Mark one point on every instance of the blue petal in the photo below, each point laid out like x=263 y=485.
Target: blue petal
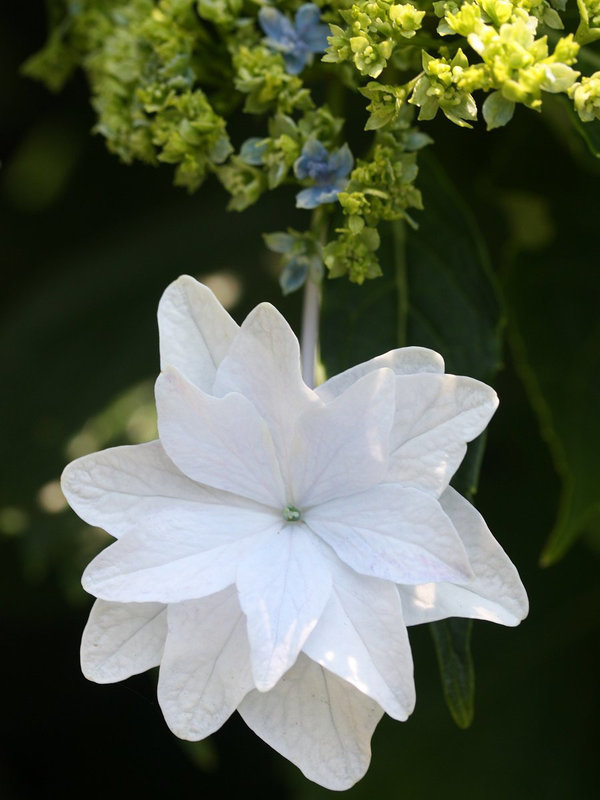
x=313 y=154
x=307 y=17
x=341 y=162
x=316 y=196
x=295 y=60
x=316 y=38
x=253 y=150
x=310 y=31
x=293 y=275
x=316 y=151
x=276 y=25
x=279 y=242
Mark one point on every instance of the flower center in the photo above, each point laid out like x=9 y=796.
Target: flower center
x=291 y=513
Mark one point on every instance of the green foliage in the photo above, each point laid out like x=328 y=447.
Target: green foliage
x=550 y=326
x=452 y=640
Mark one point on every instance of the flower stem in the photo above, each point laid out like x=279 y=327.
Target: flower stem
x=309 y=336
x=399 y=234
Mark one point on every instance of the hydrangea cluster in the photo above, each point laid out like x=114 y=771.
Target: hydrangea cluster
x=167 y=76
x=274 y=543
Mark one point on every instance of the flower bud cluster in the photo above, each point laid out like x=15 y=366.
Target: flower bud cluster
x=586 y=97
x=374 y=28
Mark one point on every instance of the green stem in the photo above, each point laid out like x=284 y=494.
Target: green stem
x=309 y=334
x=399 y=236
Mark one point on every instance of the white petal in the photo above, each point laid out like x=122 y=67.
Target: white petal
x=495 y=594
x=172 y=566
x=389 y=531
x=318 y=721
x=436 y=415
x=263 y=364
x=342 y=448
x=205 y=670
x=221 y=442
x=283 y=586
x=361 y=636
x=125 y=488
x=195 y=331
x=403 y=361
x=122 y=639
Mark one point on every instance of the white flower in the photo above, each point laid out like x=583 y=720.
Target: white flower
x=275 y=542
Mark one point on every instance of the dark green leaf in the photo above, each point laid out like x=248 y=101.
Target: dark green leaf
x=452 y=640
x=555 y=334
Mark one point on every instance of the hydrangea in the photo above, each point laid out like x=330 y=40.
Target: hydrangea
x=328 y=171
x=295 y=41
x=275 y=542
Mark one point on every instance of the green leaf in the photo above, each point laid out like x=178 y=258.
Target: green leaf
x=555 y=335
x=437 y=291
x=452 y=640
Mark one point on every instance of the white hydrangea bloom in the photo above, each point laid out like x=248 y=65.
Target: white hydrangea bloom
x=275 y=542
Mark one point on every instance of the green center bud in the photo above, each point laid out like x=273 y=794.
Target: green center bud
x=291 y=513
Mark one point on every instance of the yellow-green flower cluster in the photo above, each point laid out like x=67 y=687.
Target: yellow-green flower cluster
x=381 y=188
x=374 y=28
x=440 y=87
x=589 y=25
x=261 y=75
x=141 y=59
x=166 y=74
x=516 y=65
x=586 y=97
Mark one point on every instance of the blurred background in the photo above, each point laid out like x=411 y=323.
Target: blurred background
x=88 y=246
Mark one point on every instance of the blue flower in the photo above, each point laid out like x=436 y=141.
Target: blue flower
x=296 y=41
x=329 y=171
x=253 y=151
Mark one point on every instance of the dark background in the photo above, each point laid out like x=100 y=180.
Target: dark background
x=88 y=245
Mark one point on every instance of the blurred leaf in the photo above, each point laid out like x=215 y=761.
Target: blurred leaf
x=442 y=295
x=555 y=334
x=452 y=640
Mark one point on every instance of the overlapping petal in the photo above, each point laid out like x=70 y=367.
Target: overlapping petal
x=394 y=533
x=122 y=639
x=122 y=489
x=205 y=670
x=403 y=361
x=318 y=721
x=436 y=415
x=195 y=331
x=263 y=364
x=283 y=587
x=362 y=638
x=222 y=442
x=495 y=593
x=172 y=563
x=342 y=448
